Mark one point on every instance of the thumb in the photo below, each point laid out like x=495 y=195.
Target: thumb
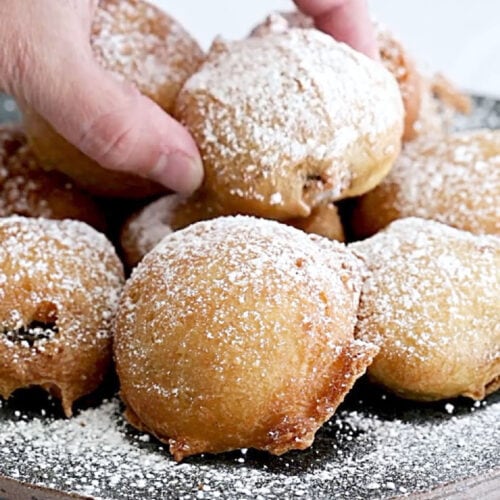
x=111 y=122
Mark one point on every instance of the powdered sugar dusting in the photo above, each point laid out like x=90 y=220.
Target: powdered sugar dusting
x=392 y=52
x=59 y=276
x=287 y=105
x=26 y=189
x=143 y=45
x=254 y=269
x=260 y=245
x=392 y=55
x=148 y=227
x=453 y=180
x=33 y=246
x=280 y=22
x=432 y=293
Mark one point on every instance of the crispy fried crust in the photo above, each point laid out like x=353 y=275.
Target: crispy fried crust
x=237 y=333
x=59 y=287
x=431 y=303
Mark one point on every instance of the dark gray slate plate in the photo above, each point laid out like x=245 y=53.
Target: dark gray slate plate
x=376 y=446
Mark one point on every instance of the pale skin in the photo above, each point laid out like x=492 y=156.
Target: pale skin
x=46 y=61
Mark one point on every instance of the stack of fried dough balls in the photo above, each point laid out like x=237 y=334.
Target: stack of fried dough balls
x=455 y=180
x=431 y=302
x=60 y=283
x=239 y=332
x=144 y=46
x=286 y=124
x=221 y=123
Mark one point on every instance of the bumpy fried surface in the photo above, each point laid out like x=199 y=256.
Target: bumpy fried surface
x=392 y=55
x=146 y=228
x=139 y=44
x=26 y=189
x=397 y=60
x=237 y=333
x=431 y=303
x=453 y=180
x=59 y=287
x=324 y=220
x=288 y=121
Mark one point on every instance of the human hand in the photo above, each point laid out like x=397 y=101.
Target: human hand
x=346 y=20
x=46 y=61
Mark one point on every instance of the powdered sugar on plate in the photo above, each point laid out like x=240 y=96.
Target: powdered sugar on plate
x=373 y=448
x=485 y=113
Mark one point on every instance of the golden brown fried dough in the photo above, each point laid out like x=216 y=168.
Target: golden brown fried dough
x=431 y=302
x=59 y=287
x=288 y=121
x=392 y=55
x=324 y=220
x=140 y=44
x=453 y=180
x=397 y=60
x=146 y=228
x=237 y=333
x=26 y=189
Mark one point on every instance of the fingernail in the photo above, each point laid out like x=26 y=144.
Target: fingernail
x=178 y=171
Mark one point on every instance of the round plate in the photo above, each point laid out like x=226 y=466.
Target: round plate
x=376 y=446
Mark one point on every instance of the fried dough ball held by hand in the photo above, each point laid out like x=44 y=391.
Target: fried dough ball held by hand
x=143 y=46
x=453 y=180
x=237 y=333
x=26 y=189
x=392 y=55
x=60 y=283
x=431 y=303
x=287 y=121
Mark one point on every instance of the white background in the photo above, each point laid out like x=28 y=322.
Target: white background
x=459 y=37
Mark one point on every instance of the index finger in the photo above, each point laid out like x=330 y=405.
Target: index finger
x=346 y=20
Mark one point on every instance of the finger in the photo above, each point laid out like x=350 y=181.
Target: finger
x=108 y=120
x=121 y=129
x=347 y=21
